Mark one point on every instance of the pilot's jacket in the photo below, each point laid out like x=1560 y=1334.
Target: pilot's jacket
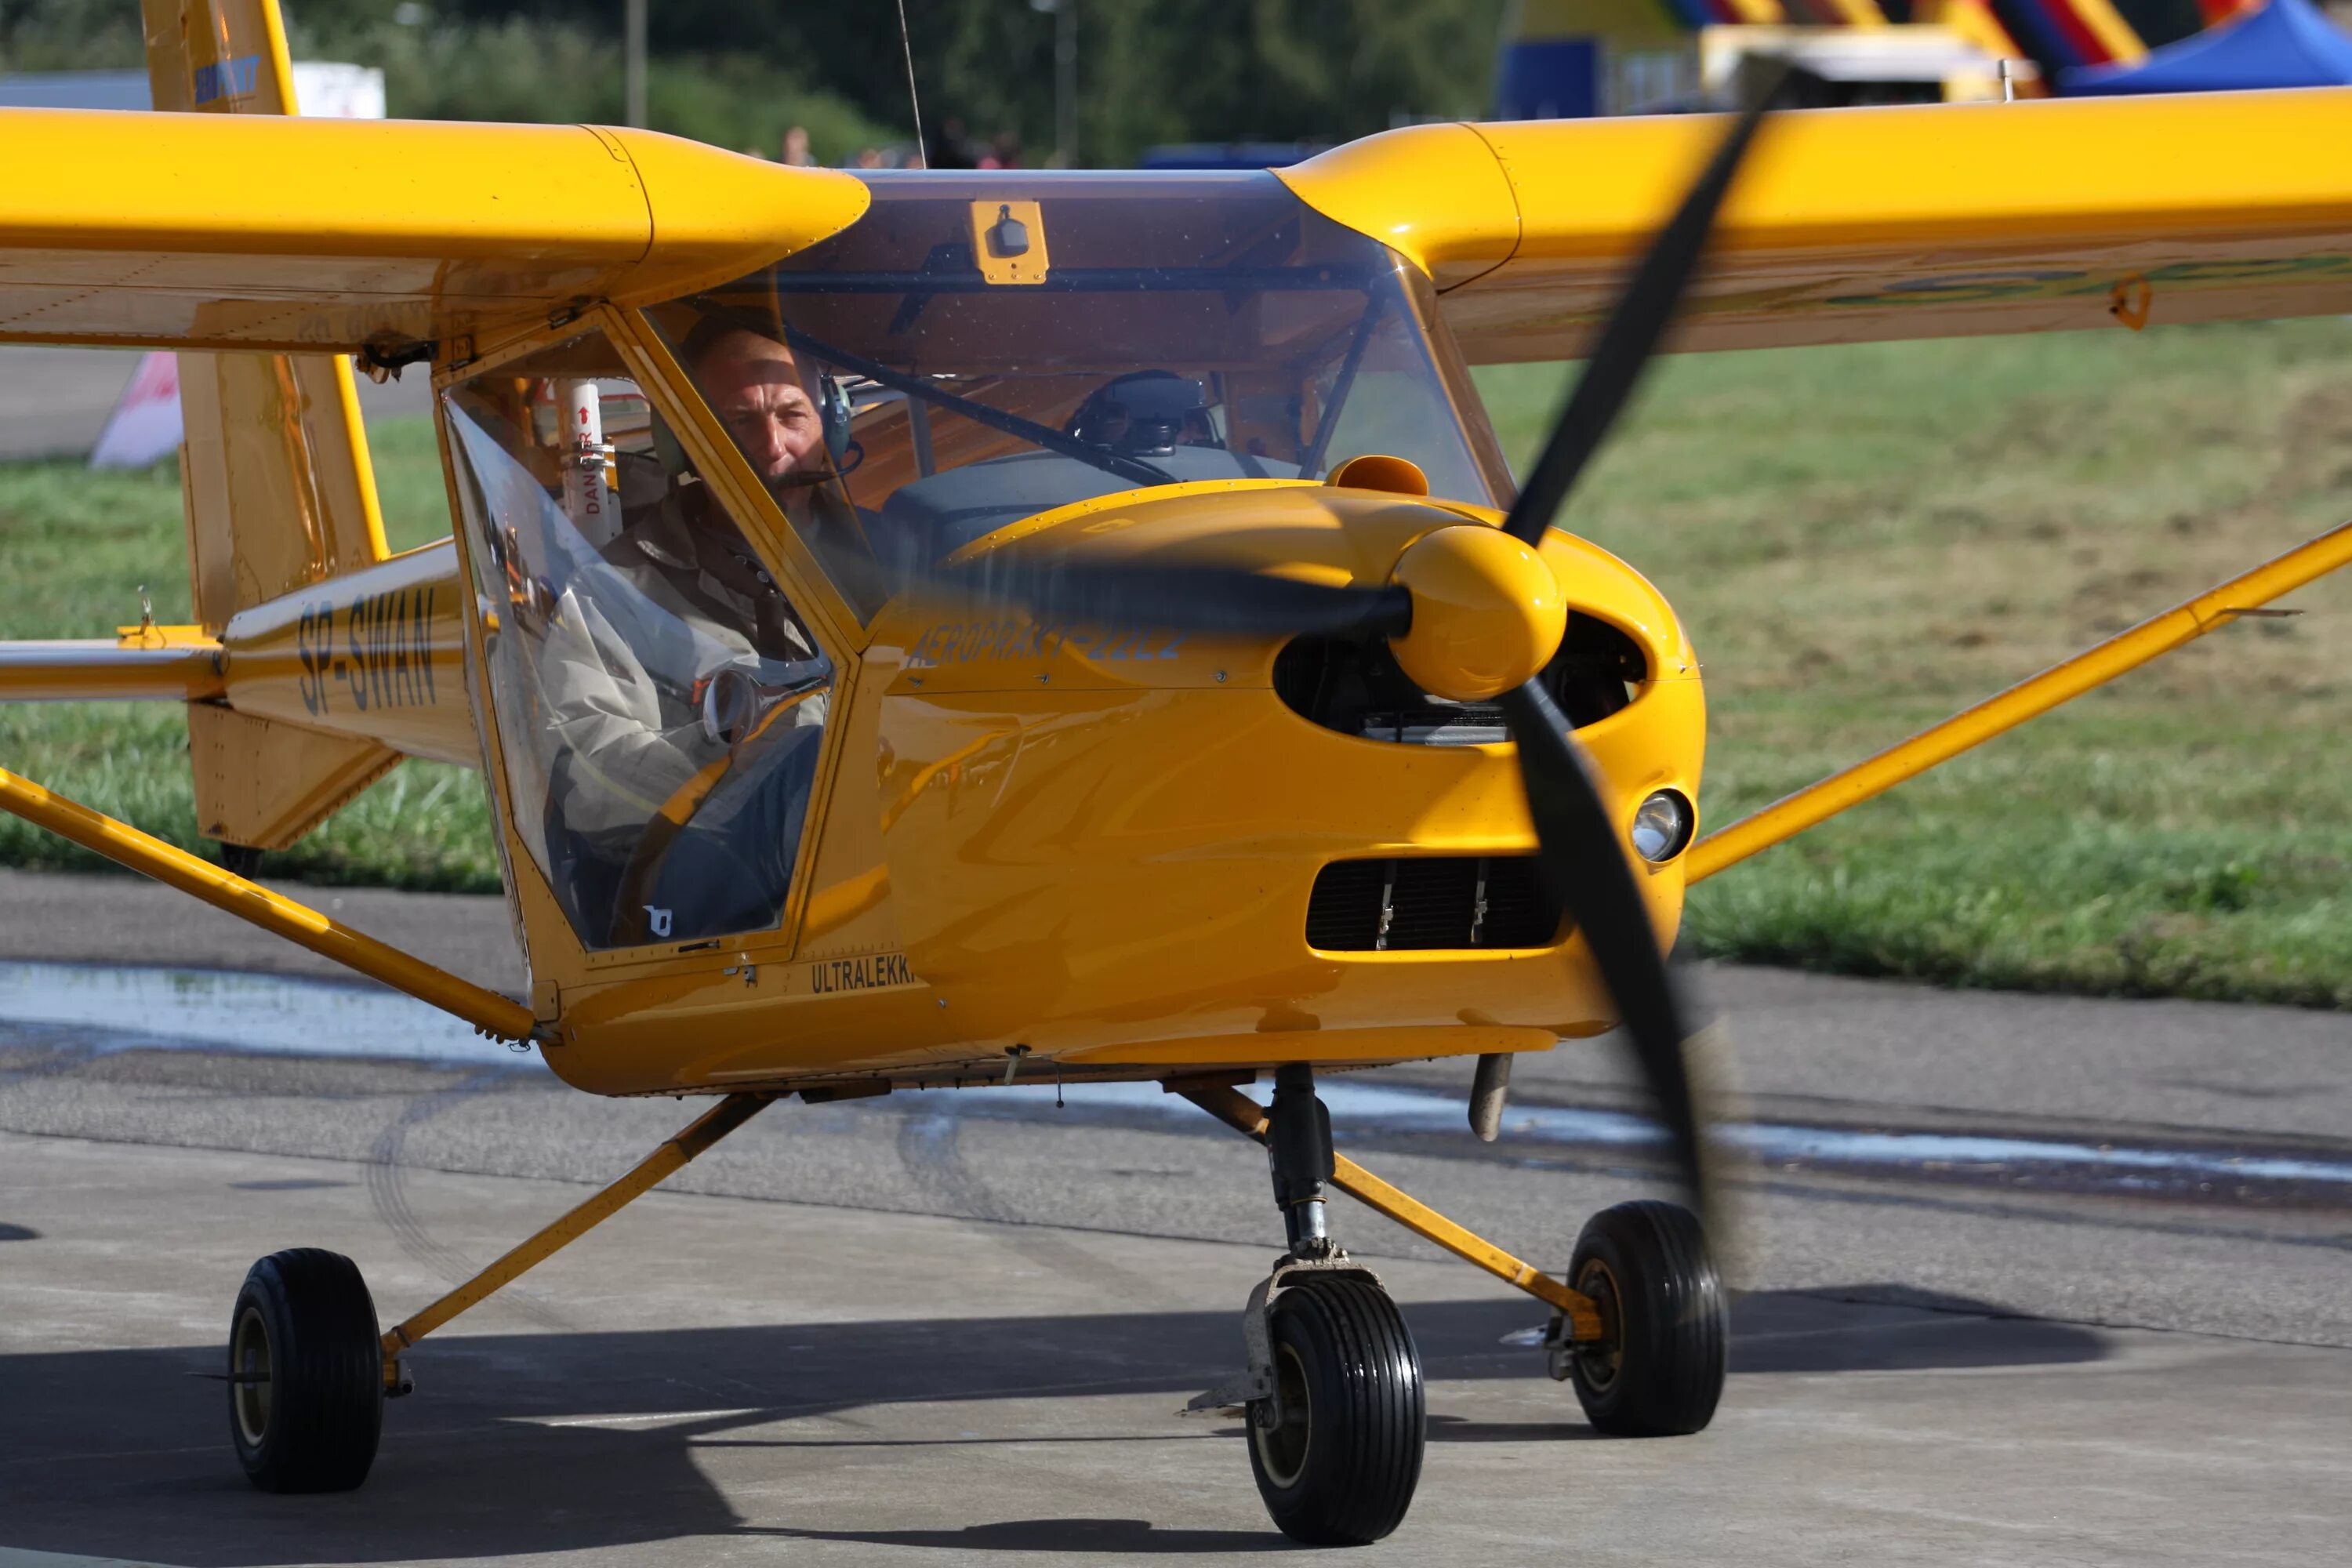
x=625 y=657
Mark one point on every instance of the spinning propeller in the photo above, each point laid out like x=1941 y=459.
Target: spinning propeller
x=1472 y=613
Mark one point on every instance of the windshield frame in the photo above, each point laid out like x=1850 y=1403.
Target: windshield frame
x=1461 y=391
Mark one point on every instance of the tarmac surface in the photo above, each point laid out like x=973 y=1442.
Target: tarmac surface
x=2023 y=1279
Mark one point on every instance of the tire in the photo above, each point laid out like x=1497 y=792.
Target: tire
x=1341 y=1470
x=310 y=1422
x=1659 y=1371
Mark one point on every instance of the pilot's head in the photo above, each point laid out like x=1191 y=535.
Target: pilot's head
x=755 y=386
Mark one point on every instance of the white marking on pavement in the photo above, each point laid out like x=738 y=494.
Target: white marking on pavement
x=652 y=1418
x=134 y=1007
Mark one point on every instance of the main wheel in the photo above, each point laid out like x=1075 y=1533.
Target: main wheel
x=1658 y=1371
x=1341 y=1468
x=306 y=1373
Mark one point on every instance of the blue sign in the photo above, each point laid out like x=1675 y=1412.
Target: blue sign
x=228 y=79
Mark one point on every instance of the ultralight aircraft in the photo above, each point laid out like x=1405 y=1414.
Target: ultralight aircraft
x=944 y=629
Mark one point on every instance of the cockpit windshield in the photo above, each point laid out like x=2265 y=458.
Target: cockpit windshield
x=967 y=355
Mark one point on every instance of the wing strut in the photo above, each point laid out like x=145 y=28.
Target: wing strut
x=2096 y=666
x=501 y=1017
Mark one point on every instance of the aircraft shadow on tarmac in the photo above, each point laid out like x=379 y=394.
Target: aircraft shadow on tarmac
x=553 y=1441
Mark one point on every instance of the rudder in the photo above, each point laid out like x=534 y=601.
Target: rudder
x=279 y=491
x=275 y=479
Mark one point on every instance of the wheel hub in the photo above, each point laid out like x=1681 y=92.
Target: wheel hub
x=1282 y=1447
x=249 y=1370
x=1599 y=1361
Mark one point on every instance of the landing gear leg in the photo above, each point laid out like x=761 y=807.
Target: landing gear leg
x=308 y=1373
x=1298 y=1155
x=1337 y=1418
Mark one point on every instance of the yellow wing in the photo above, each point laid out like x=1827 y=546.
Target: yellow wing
x=236 y=231
x=1936 y=220
x=1862 y=223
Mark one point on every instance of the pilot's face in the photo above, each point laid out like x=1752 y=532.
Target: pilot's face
x=753 y=385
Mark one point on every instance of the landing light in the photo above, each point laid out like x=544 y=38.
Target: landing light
x=1662 y=827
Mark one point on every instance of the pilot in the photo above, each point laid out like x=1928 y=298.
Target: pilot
x=678 y=827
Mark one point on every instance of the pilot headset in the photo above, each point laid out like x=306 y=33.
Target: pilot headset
x=833 y=412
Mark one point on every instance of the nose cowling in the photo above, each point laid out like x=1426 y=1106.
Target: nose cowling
x=1487 y=614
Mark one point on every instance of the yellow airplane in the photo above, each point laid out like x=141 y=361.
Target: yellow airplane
x=949 y=630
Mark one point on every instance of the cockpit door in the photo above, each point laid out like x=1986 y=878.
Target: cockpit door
x=657 y=683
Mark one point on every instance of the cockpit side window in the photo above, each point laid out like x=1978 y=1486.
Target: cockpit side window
x=659 y=701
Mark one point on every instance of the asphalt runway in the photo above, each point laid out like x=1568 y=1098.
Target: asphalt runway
x=2022 y=1279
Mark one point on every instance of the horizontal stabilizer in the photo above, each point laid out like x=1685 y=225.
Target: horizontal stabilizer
x=172 y=664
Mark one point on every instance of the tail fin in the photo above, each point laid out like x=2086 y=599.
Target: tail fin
x=279 y=493
x=274 y=473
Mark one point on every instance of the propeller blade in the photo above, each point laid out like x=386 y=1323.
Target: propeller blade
x=1212 y=599
x=1584 y=863
x=1643 y=313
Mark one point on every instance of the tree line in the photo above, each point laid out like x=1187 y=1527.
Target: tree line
x=739 y=72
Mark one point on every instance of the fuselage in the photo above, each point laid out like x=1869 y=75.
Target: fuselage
x=1115 y=848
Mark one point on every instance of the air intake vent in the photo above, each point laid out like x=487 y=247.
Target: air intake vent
x=1357 y=687
x=1425 y=902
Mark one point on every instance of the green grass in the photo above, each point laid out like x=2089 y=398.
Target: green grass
x=1864 y=540
x=84 y=543
x=1860 y=540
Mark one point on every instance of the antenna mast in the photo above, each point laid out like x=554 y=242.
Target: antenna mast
x=914 y=103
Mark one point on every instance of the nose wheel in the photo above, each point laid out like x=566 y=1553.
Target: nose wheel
x=1333 y=1391
x=1337 y=1448
x=1657 y=1371
x=305 y=1373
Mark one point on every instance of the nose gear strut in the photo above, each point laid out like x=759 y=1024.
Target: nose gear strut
x=1332 y=1388
x=1299 y=1154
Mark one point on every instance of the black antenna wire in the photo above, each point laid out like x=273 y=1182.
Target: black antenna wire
x=914 y=103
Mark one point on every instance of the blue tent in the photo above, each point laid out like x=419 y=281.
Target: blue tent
x=2287 y=43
